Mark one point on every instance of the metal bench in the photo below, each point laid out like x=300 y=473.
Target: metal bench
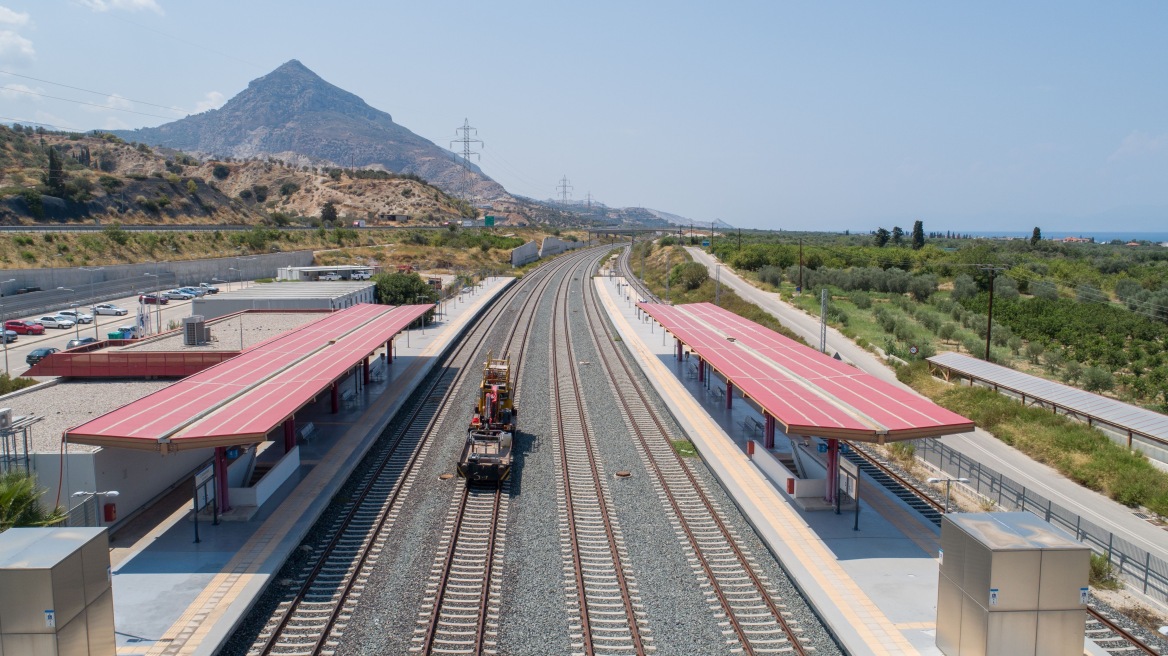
x=750 y=424
x=719 y=393
x=349 y=399
x=306 y=431
x=691 y=371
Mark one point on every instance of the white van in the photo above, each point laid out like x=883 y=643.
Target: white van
x=361 y=275
x=331 y=275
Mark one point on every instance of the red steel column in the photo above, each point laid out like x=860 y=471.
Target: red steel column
x=729 y=393
x=769 y=440
x=221 y=478
x=289 y=434
x=336 y=398
x=389 y=352
x=679 y=358
x=832 y=470
x=366 y=367
x=701 y=370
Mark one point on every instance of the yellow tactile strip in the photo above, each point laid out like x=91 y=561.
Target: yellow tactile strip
x=878 y=634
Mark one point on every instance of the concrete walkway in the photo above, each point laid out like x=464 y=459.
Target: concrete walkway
x=979 y=444
x=173 y=596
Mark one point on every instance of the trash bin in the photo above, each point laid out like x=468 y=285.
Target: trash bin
x=117 y=334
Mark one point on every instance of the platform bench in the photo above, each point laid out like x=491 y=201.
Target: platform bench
x=750 y=424
x=348 y=398
x=306 y=431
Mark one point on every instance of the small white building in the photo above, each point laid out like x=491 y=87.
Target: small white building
x=327 y=273
x=320 y=295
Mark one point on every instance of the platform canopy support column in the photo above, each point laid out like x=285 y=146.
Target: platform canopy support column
x=729 y=393
x=289 y=434
x=221 y=479
x=365 y=369
x=769 y=430
x=389 y=352
x=832 y=470
x=701 y=370
x=678 y=342
x=335 y=397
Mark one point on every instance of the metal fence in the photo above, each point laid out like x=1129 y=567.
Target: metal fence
x=1139 y=568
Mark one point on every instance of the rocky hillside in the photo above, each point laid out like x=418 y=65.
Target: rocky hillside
x=294 y=115
x=106 y=179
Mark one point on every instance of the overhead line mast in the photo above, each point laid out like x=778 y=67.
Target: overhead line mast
x=466 y=140
x=565 y=190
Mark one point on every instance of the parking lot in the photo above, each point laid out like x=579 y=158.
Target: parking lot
x=57 y=338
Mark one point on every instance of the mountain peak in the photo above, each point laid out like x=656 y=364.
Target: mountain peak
x=292 y=110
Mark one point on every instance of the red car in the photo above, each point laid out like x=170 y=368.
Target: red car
x=152 y=299
x=26 y=327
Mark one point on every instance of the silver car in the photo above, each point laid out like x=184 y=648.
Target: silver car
x=57 y=321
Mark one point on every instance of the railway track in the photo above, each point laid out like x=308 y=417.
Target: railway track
x=314 y=614
x=755 y=620
x=603 y=595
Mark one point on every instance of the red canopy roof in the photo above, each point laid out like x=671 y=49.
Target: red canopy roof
x=808 y=392
x=244 y=398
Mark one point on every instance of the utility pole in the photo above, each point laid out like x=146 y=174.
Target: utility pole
x=799 y=289
x=740 y=239
x=589 y=196
x=466 y=140
x=823 y=321
x=565 y=189
x=993 y=271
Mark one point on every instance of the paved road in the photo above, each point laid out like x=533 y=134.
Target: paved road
x=979 y=444
x=17 y=351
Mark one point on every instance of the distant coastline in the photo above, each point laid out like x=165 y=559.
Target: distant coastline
x=1100 y=236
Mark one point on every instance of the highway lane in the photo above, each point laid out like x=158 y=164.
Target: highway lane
x=103 y=324
x=979 y=444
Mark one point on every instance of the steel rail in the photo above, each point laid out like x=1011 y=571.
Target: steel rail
x=609 y=351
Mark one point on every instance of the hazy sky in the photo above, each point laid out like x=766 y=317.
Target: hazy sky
x=808 y=115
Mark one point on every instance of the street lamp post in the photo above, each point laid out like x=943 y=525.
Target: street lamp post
x=948 y=482
x=109 y=494
x=93 y=296
x=76 y=320
x=157 y=297
x=4 y=320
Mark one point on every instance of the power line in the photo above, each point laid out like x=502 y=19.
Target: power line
x=97 y=93
x=565 y=190
x=466 y=141
x=81 y=102
x=47 y=125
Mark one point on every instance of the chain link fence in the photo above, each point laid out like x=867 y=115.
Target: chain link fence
x=1139 y=568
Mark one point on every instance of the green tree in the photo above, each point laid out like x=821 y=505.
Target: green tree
x=55 y=179
x=946 y=331
x=897 y=236
x=19 y=505
x=328 y=212
x=403 y=289
x=192 y=187
x=882 y=237
x=918 y=235
x=964 y=288
x=220 y=171
x=1035 y=236
x=1097 y=379
x=689 y=275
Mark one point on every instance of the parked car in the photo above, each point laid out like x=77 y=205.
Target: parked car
x=209 y=288
x=361 y=275
x=26 y=327
x=176 y=295
x=56 y=321
x=9 y=336
x=110 y=308
x=331 y=275
x=39 y=354
x=80 y=342
x=151 y=299
x=193 y=291
x=76 y=315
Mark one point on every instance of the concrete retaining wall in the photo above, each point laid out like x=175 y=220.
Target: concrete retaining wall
x=526 y=253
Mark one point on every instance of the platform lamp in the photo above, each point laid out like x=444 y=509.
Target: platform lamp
x=109 y=494
x=76 y=319
x=93 y=295
x=4 y=320
x=948 y=482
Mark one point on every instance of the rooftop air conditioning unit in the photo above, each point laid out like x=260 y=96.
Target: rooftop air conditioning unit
x=5 y=418
x=194 y=330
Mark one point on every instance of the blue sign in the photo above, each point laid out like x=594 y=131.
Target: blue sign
x=822 y=448
x=705 y=243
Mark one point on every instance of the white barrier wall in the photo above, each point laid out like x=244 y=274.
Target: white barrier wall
x=528 y=252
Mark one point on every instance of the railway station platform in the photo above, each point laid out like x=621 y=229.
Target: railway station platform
x=175 y=596
x=876 y=587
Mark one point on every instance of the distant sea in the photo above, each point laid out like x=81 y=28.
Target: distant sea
x=1100 y=237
